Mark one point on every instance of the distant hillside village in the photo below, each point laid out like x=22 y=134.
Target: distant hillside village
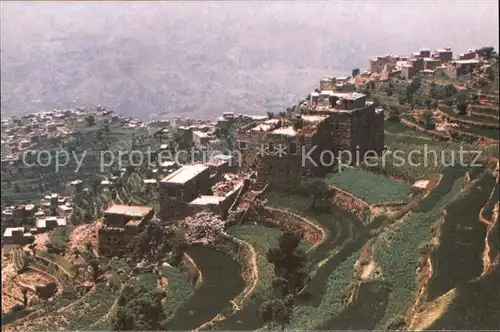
x=333 y=117
x=426 y=63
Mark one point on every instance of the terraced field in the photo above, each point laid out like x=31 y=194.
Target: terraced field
x=472 y=306
x=396 y=251
x=397 y=128
x=79 y=315
x=484 y=132
x=469 y=117
x=331 y=263
x=371 y=188
x=221 y=283
x=261 y=238
x=179 y=289
x=461 y=232
x=448 y=177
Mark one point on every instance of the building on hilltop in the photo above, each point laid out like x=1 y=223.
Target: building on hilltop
x=283 y=149
x=462 y=67
x=200 y=187
x=471 y=54
x=16 y=236
x=122 y=223
x=377 y=65
x=182 y=186
x=444 y=54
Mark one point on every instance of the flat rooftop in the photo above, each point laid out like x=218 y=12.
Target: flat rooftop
x=129 y=210
x=207 y=200
x=185 y=173
x=466 y=61
x=314 y=118
x=286 y=131
x=266 y=125
x=200 y=134
x=42 y=223
x=9 y=230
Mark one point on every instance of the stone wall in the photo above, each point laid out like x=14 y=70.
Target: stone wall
x=349 y=202
x=287 y=221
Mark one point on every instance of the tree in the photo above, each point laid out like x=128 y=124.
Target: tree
x=486 y=52
x=427 y=119
x=95 y=269
x=461 y=99
x=123 y=320
x=355 y=72
x=449 y=90
x=25 y=297
x=475 y=98
x=275 y=312
x=89 y=247
x=270 y=115
x=317 y=188
x=289 y=261
x=90 y=120
x=280 y=286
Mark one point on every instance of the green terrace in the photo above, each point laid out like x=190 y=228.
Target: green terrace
x=369 y=187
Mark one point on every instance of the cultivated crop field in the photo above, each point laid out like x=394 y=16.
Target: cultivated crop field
x=399 y=129
x=332 y=262
x=206 y=302
x=461 y=231
x=371 y=188
x=397 y=252
x=179 y=289
x=262 y=239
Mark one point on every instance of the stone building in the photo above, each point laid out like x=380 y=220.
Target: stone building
x=182 y=186
x=462 y=67
x=408 y=71
x=444 y=54
x=425 y=53
x=286 y=148
x=121 y=224
x=16 y=236
x=471 y=54
x=378 y=64
x=431 y=64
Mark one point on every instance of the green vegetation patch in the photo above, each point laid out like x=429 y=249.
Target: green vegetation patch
x=262 y=239
x=139 y=305
x=474 y=307
x=461 y=243
x=338 y=283
x=396 y=251
x=222 y=282
x=371 y=188
x=59 y=237
x=331 y=262
x=178 y=291
x=397 y=128
x=448 y=177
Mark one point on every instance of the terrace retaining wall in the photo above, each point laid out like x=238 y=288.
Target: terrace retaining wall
x=349 y=202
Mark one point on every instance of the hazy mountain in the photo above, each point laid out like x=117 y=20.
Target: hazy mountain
x=199 y=59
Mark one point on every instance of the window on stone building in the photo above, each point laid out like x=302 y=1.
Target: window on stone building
x=292 y=148
x=242 y=145
x=171 y=192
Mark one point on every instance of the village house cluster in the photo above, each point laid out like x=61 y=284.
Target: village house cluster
x=23 y=221
x=425 y=63
x=334 y=117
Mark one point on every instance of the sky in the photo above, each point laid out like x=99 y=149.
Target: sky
x=254 y=55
